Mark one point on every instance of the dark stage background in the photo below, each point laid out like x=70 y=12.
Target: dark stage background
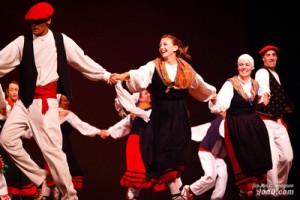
x=123 y=35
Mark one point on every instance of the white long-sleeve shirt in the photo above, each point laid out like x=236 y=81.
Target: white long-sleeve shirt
x=141 y=78
x=45 y=56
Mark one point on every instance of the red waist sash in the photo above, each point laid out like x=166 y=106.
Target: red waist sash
x=45 y=92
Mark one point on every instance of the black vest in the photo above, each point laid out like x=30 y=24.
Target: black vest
x=28 y=72
x=277 y=104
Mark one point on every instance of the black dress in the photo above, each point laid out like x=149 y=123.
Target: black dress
x=247 y=141
x=135 y=174
x=165 y=146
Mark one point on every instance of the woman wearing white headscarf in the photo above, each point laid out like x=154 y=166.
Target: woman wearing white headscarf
x=246 y=136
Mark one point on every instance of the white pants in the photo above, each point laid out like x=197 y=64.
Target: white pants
x=282 y=153
x=3 y=185
x=215 y=175
x=47 y=134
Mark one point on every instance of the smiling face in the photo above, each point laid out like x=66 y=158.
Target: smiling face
x=270 y=59
x=167 y=49
x=245 y=68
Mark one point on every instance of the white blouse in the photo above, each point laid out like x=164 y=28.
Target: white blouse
x=225 y=96
x=141 y=78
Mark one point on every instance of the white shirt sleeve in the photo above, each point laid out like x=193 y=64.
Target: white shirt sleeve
x=120 y=129
x=27 y=134
x=262 y=77
x=140 y=78
x=201 y=90
x=83 y=63
x=223 y=99
x=83 y=127
x=11 y=55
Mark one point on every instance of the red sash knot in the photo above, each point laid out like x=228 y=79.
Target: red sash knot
x=45 y=92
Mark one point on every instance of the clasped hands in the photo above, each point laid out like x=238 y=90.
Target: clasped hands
x=104 y=134
x=115 y=77
x=264 y=98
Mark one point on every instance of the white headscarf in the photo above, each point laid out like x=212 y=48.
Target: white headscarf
x=246 y=57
